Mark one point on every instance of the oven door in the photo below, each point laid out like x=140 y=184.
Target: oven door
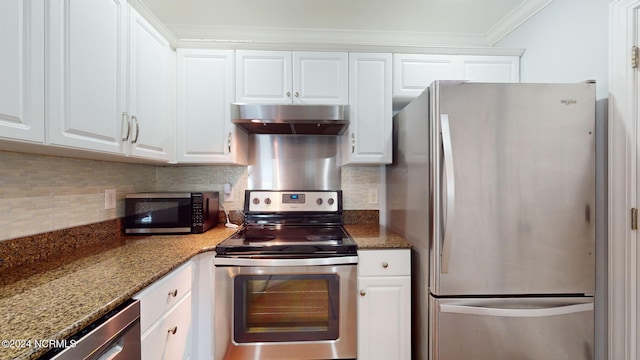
x=286 y=308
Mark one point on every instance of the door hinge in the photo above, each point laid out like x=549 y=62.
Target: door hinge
x=634 y=57
x=634 y=219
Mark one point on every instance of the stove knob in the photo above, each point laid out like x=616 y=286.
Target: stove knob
x=267 y=201
x=330 y=201
x=256 y=201
x=319 y=201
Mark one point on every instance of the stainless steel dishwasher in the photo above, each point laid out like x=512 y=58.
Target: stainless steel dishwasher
x=116 y=336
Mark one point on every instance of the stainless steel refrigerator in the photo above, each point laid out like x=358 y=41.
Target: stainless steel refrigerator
x=494 y=185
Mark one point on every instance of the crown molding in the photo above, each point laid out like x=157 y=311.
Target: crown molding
x=514 y=19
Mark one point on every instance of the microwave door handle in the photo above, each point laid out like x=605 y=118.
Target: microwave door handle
x=519 y=313
x=450 y=197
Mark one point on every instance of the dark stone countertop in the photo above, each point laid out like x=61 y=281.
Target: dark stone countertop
x=56 y=296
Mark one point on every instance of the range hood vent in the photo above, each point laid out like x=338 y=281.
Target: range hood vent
x=291 y=119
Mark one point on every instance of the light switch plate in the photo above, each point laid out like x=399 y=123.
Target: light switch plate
x=373 y=196
x=109 y=199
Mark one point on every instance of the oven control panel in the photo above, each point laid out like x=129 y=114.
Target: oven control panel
x=292 y=201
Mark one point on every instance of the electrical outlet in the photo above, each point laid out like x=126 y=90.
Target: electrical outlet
x=373 y=196
x=109 y=199
x=228 y=192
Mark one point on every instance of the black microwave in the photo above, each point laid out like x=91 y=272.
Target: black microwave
x=171 y=212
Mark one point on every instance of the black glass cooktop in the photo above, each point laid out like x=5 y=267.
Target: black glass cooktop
x=288 y=240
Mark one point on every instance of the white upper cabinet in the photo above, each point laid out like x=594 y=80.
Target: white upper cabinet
x=86 y=73
x=283 y=77
x=412 y=73
x=369 y=137
x=205 y=134
x=489 y=68
x=109 y=81
x=320 y=78
x=151 y=88
x=22 y=70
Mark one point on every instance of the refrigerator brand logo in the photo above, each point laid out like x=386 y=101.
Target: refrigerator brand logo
x=568 y=102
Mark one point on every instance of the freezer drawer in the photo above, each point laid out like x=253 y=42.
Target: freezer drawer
x=511 y=328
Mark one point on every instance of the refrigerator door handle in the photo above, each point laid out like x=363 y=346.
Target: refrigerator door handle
x=447 y=150
x=520 y=313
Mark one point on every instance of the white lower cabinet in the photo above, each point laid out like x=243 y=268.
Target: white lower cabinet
x=166 y=316
x=384 y=304
x=170 y=337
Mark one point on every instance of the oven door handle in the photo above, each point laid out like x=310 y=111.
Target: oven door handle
x=237 y=261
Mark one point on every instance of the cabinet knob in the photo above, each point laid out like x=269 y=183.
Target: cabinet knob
x=385 y=264
x=173 y=330
x=288 y=94
x=173 y=293
x=363 y=293
x=297 y=94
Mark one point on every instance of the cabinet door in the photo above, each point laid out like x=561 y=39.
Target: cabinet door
x=412 y=73
x=263 y=77
x=320 y=78
x=85 y=74
x=206 y=89
x=170 y=338
x=369 y=138
x=150 y=103
x=489 y=68
x=384 y=318
x=22 y=70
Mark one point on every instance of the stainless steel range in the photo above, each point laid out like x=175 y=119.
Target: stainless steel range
x=286 y=283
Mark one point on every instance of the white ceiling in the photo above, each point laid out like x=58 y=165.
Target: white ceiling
x=416 y=22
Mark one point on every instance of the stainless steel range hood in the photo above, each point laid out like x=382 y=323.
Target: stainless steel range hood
x=291 y=119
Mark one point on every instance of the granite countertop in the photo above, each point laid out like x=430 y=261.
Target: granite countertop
x=54 y=298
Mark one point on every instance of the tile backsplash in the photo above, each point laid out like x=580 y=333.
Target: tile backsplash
x=40 y=193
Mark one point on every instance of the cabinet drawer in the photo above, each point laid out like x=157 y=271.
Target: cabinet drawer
x=159 y=297
x=170 y=337
x=384 y=262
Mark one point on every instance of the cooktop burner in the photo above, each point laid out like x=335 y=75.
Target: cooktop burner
x=291 y=223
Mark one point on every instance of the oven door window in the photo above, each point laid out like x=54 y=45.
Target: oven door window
x=286 y=307
x=159 y=213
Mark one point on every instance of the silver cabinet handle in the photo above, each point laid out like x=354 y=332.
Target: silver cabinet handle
x=385 y=264
x=447 y=151
x=363 y=293
x=134 y=119
x=511 y=312
x=353 y=143
x=173 y=330
x=173 y=293
x=229 y=143
x=296 y=94
x=288 y=94
x=125 y=119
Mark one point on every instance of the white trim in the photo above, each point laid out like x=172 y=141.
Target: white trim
x=514 y=19
x=153 y=20
x=623 y=147
x=244 y=38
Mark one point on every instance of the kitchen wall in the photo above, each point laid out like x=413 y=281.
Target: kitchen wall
x=568 y=42
x=45 y=193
